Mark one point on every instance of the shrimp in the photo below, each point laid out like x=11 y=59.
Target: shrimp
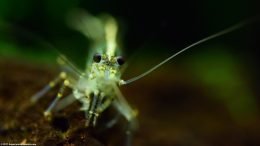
x=97 y=87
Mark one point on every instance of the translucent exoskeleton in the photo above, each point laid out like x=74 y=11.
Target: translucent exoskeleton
x=97 y=87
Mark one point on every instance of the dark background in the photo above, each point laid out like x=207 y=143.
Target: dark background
x=167 y=25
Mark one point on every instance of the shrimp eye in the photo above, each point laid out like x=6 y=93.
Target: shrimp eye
x=97 y=58
x=120 y=60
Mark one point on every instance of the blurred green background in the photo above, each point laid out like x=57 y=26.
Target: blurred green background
x=164 y=25
x=224 y=70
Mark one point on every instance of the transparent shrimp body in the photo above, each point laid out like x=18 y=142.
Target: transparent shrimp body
x=96 y=88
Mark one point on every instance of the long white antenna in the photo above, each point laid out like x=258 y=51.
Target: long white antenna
x=225 y=31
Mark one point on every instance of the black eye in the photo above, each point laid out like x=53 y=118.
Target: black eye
x=97 y=58
x=120 y=60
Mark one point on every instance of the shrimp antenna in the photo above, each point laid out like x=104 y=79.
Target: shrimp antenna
x=220 y=33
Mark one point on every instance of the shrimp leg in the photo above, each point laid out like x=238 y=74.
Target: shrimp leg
x=130 y=115
x=48 y=111
x=48 y=87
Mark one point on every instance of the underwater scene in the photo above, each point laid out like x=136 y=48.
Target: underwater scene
x=129 y=73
